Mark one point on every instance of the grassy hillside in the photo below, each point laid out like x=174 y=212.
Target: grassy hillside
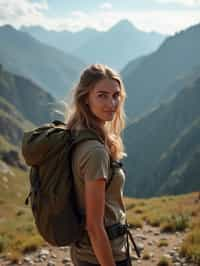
x=25 y=97
x=170 y=214
x=17 y=230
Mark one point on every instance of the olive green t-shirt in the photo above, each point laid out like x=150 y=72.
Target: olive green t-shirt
x=91 y=160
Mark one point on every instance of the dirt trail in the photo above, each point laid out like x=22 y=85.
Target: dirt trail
x=147 y=238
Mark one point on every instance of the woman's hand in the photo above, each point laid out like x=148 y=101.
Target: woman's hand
x=95 y=206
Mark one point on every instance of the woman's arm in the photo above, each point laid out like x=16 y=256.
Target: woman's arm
x=95 y=205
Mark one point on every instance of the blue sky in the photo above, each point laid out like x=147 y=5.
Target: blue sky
x=165 y=16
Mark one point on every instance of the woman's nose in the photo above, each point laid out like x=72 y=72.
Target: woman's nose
x=112 y=103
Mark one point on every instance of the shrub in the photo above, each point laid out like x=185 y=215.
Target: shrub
x=146 y=256
x=3 y=243
x=162 y=243
x=31 y=244
x=191 y=246
x=135 y=222
x=164 y=262
x=20 y=212
x=174 y=223
x=153 y=220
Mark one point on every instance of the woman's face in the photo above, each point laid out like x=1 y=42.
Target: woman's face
x=104 y=99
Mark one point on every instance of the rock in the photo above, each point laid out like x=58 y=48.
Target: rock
x=141 y=236
x=5 y=169
x=64 y=248
x=28 y=260
x=38 y=260
x=140 y=246
x=44 y=252
x=167 y=256
x=151 y=254
x=150 y=243
x=53 y=256
x=66 y=260
x=51 y=263
x=12 y=158
x=172 y=252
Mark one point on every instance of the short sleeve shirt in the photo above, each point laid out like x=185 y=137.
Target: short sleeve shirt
x=91 y=160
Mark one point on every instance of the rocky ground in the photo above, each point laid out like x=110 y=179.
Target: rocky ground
x=147 y=238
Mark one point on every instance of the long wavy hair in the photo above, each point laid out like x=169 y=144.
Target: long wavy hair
x=79 y=116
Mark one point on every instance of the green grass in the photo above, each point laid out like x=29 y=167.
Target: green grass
x=191 y=246
x=170 y=214
x=18 y=233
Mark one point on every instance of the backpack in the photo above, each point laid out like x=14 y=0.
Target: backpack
x=48 y=150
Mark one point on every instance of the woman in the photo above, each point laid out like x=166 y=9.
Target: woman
x=98 y=105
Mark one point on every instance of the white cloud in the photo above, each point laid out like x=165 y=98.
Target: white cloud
x=25 y=12
x=106 y=5
x=188 y=3
x=19 y=12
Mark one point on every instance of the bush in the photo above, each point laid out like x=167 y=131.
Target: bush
x=164 y=262
x=3 y=243
x=153 y=221
x=174 y=223
x=146 y=256
x=191 y=246
x=135 y=222
x=162 y=243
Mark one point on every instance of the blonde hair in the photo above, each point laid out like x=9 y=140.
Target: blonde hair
x=80 y=115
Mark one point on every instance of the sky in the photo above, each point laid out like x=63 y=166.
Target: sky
x=164 y=16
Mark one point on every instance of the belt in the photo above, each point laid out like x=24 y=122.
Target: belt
x=117 y=230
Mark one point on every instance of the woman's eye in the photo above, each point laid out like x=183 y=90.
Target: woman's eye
x=116 y=96
x=102 y=96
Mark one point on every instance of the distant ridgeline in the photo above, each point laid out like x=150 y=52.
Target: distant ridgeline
x=48 y=67
x=109 y=47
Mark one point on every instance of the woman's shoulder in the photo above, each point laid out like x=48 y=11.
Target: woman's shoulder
x=93 y=147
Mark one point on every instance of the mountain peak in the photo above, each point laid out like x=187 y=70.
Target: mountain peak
x=8 y=27
x=124 y=25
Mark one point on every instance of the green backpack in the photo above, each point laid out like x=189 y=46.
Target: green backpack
x=48 y=150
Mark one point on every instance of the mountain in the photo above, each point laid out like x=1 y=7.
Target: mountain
x=114 y=47
x=147 y=83
x=34 y=104
x=117 y=46
x=66 y=41
x=23 y=105
x=48 y=67
x=178 y=169
x=166 y=132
